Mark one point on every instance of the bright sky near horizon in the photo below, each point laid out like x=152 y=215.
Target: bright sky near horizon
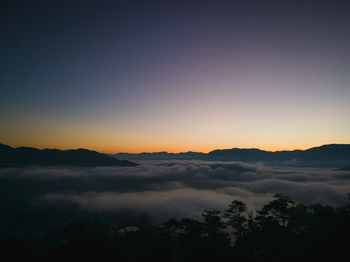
x=136 y=76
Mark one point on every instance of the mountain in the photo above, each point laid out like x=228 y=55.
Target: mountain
x=23 y=156
x=327 y=155
x=333 y=155
x=162 y=156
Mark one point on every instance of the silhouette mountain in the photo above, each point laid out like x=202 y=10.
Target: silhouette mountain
x=326 y=155
x=23 y=156
x=162 y=156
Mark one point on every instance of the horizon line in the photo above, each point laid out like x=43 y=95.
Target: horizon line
x=179 y=152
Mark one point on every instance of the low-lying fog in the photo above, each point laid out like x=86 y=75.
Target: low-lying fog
x=36 y=199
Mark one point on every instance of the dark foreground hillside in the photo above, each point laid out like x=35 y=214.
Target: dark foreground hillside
x=280 y=231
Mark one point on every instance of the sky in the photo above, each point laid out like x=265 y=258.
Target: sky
x=136 y=76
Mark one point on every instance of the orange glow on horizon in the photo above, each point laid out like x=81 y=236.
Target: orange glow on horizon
x=203 y=136
x=114 y=149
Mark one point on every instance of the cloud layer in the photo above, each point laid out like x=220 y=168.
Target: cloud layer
x=163 y=189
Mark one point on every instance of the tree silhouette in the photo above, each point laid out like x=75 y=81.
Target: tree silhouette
x=280 y=231
x=236 y=216
x=278 y=211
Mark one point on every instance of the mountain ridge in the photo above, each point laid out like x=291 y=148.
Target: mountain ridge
x=25 y=156
x=329 y=154
x=335 y=155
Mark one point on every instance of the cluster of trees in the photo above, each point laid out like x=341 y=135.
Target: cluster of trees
x=281 y=230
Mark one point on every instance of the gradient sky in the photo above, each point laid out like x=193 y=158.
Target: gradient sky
x=134 y=76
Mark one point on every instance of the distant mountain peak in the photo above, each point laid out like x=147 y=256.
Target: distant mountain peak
x=324 y=155
x=5 y=147
x=23 y=156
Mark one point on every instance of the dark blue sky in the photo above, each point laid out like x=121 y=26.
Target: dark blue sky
x=174 y=75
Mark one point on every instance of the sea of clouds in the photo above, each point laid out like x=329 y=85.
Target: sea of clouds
x=160 y=189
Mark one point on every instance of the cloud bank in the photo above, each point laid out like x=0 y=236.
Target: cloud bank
x=162 y=189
